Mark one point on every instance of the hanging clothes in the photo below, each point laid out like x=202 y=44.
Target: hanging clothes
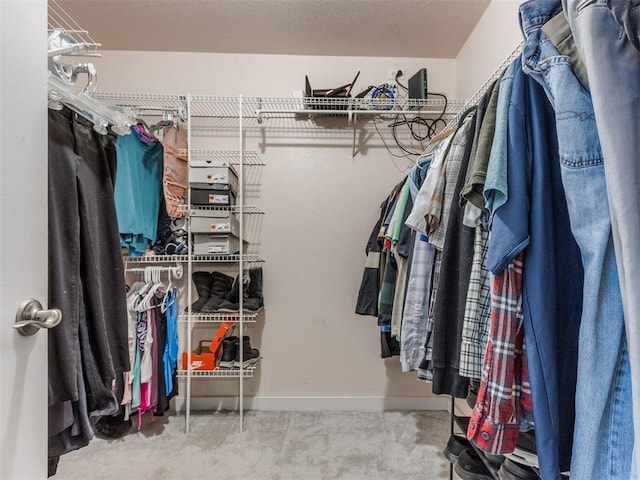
x=603 y=402
x=455 y=271
x=88 y=350
x=138 y=191
x=175 y=174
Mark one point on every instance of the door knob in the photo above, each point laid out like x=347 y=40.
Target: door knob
x=30 y=317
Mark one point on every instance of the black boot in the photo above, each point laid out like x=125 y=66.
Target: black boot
x=249 y=355
x=231 y=303
x=220 y=288
x=229 y=352
x=203 y=282
x=255 y=302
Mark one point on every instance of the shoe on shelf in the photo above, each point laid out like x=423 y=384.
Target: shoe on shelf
x=252 y=298
x=203 y=282
x=471 y=467
x=250 y=355
x=495 y=461
x=231 y=302
x=511 y=470
x=455 y=446
x=220 y=287
x=525 y=452
x=229 y=352
x=254 y=303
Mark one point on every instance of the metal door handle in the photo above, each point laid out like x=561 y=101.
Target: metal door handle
x=30 y=317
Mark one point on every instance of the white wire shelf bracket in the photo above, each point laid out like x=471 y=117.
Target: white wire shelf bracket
x=249 y=158
x=151 y=259
x=208 y=318
x=218 y=373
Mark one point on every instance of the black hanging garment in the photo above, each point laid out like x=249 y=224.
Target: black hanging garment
x=88 y=350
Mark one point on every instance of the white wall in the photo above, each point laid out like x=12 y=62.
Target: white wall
x=320 y=208
x=496 y=35
x=320 y=204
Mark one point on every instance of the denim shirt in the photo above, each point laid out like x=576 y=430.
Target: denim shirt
x=601 y=330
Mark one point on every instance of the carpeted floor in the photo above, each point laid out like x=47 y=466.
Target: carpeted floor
x=273 y=446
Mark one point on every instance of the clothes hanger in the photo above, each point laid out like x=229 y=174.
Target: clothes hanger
x=146 y=304
x=165 y=300
x=167 y=121
x=144 y=132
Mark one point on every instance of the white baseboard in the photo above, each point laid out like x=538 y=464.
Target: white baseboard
x=315 y=404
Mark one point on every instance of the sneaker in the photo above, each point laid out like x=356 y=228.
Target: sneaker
x=455 y=446
x=525 y=452
x=250 y=355
x=470 y=466
x=229 y=352
x=511 y=470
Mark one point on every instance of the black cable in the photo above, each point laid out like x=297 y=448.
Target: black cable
x=387 y=146
x=416 y=123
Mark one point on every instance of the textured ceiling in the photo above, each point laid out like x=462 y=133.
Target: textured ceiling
x=385 y=28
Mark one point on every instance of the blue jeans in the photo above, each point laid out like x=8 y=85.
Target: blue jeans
x=603 y=433
x=613 y=67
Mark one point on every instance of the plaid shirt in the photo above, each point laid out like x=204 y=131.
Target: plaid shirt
x=442 y=199
x=504 y=393
x=413 y=336
x=477 y=312
x=425 y=370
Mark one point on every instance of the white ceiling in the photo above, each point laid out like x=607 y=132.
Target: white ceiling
x=381 y=28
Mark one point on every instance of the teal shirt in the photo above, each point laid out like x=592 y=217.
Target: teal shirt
x=138 y=191
x=495 y=186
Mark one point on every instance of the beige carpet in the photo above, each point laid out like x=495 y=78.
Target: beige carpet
x=273 y=446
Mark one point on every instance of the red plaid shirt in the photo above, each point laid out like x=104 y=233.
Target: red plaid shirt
x=504 y=395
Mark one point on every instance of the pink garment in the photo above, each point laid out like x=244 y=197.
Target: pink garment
x=153 y=385
x=175 y=176
x=127 y=395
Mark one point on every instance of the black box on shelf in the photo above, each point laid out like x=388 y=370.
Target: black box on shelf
x=418 y=85
x=212 y=194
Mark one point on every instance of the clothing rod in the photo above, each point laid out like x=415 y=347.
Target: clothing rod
x=475 y=98
x=176 y=271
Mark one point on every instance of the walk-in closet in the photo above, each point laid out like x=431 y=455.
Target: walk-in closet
x=320 y=239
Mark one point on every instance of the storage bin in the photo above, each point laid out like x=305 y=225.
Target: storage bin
x=215 y=243
x=210 y=175
x=214 y=221
x=216 y=194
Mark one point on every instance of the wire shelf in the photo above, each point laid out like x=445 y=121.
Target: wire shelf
x=66 y=37
x=225 y=157
x=218 y=373
x=149 y=259
x=146 y=104
x=247 y=209
x=207 y=318
x=211 y=106
x=248 y=258
x=156 y=259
